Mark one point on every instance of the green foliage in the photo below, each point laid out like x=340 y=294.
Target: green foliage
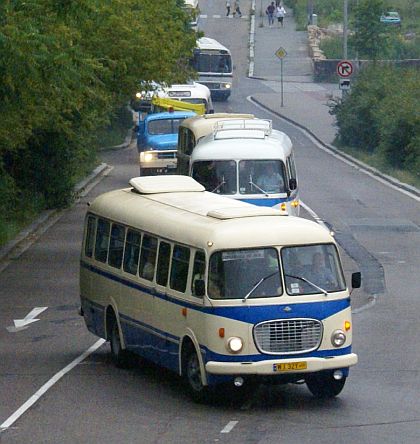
x=65 y=67
x=381 y=116
x=370 y=39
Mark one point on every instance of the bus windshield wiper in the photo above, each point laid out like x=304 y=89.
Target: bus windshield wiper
x=325 y=292
x=257 y=285
x=253 y=184
x=219 y=185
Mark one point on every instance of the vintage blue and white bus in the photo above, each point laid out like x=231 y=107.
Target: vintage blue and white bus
x=193 y=129
x=213 y=63
x=215 y=289
x=248 y=160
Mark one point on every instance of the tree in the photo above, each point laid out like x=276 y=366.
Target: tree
x=65 y=66
x=369 y=40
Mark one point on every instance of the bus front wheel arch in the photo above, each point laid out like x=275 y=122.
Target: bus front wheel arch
x=191 y=372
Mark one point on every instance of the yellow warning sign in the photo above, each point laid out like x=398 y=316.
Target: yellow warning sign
x=281 y=53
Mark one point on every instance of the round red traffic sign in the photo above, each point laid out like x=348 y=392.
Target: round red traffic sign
x=344 y=68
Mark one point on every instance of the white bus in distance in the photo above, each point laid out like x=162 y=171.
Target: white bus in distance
x=193 y=9
x=250 y=161
x=193 y=92
x=213 y=63
x=215 y=289
x=193 y=129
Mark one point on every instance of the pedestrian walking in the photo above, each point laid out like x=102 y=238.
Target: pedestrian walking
x=271 y=8
x=280 y=14
x=227 y=8
x=237 y=9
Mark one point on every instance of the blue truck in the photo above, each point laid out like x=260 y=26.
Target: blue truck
x=157 y=141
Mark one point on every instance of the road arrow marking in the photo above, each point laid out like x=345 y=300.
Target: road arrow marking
x=21 y=324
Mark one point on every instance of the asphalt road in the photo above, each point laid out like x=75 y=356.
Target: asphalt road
x=97 y=403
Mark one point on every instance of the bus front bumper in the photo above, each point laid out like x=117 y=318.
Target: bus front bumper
x=281 y=366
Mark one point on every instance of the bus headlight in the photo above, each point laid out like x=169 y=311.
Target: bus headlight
x=338 y=338
x=147 y=156
x=227 y=85
x=235 y=344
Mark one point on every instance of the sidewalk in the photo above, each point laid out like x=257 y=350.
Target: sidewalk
x=304 y=102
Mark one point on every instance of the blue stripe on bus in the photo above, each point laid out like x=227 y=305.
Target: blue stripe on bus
x=130 y=323
x=246 y=313
x=265 y=202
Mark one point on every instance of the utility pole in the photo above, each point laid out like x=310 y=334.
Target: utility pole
x=345 y=31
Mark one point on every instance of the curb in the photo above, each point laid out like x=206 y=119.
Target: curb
x=46 y=218
x=401 y=185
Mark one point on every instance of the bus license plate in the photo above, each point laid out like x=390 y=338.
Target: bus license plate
x=290 y=366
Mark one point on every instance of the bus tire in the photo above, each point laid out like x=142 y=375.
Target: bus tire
x=120 y=357
x=192 y=375
x=322 y=385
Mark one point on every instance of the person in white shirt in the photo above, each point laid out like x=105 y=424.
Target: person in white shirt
x=280 y=14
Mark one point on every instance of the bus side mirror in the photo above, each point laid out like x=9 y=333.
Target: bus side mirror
x=199 y=288
x=356 y=279
x=292 y=183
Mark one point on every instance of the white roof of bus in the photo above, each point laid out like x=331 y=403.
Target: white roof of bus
x=243 y=144
x=203 y=125
x=191 y=3
x=196 y=89
x=208 y=43
x=198 y=217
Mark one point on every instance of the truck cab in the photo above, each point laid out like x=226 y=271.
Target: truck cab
x=157 y=140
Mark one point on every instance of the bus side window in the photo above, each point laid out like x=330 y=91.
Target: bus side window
x=148 y=257
x=179 y=268
x=190 y=142
x=198 y=271
x=116 y=246
x=90 y=236
x=291 y=167
x=102 y=240
x=163 y=263
x=132 y=251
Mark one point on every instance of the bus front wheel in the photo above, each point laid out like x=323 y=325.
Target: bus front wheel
x=192 y=374
x=120 y=357
x=323 y=385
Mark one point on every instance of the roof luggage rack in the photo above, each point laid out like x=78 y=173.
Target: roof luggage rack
x=256 y=128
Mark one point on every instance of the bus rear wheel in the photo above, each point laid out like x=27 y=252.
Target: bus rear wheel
x=192 y=374
x=120 y=357
x=323 y=385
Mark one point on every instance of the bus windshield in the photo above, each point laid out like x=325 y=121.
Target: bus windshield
x=248 y=273
x=217 y=176
x=212 y=62
x=310 y=269
x=164 y=126
x=261 y=176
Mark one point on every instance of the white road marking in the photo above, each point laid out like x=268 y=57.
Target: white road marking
x=30 y=317
x=229 y=426
x=36 y=396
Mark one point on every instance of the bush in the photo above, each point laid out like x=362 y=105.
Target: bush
x=380 y=116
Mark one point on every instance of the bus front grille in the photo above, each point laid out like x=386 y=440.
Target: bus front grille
x=211 y=85
x=288 y=336
x=166 y=154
